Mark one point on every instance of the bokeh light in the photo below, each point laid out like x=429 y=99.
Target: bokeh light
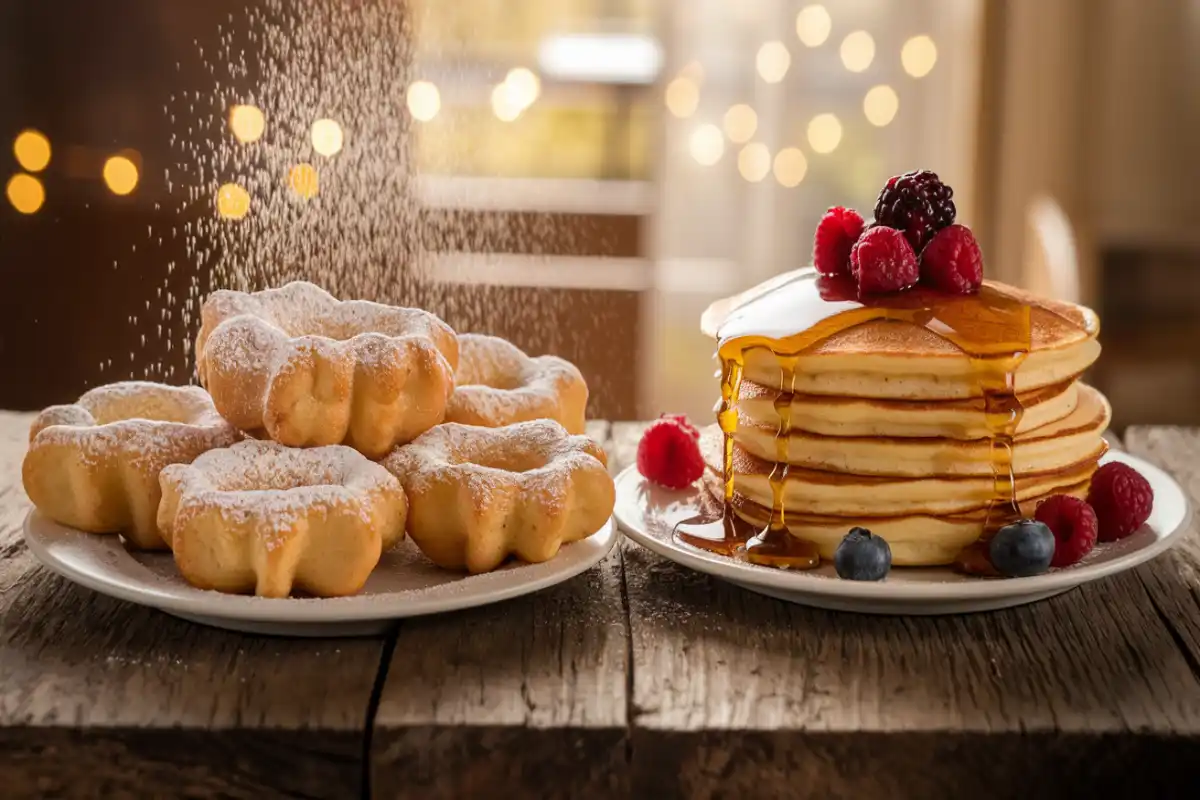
x=790 y=167
x=773 y=61
x=247 y=123
x=504 y=105
x=424 y=100
x=857 y=51
x=881 y=104
x=327 y=137
x=233 y=202
x=303 y=181
x=813 y=25
x=918 y=56
x=824 y=133
x=707 y=145
x=740 y=123
x=754 y=162
x=682 y=97
x=523 y=86
x=32 y=150
x=26 y=193
x=120 y=175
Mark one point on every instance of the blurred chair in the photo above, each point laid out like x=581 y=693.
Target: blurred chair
x=1051 y=263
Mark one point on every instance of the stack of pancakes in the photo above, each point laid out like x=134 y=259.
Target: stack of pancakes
x=889 y=432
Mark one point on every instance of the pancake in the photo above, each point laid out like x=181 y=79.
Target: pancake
x=855 y=416
x=862 y=496
x=916 y=540
x=1050 y=448
x=904 y=360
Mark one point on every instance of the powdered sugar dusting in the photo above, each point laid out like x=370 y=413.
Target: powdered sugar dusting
x=143 y=422
x=258 y=468
x=497 y=384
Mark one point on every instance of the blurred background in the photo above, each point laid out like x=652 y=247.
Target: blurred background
x=582 y=176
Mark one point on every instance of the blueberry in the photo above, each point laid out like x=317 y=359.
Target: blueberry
x=1022 y=549
x=862 y=556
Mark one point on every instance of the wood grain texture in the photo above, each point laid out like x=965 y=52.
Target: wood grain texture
x=526 y=698
x=104 y=698
x=735 y=693
x=1173 y=579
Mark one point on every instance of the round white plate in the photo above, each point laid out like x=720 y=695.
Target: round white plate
x=648 y=514
x=405 y=584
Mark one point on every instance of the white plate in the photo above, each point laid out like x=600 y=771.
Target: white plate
x=648 y=513
x=404 y=584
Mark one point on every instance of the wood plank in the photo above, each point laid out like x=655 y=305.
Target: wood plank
x=1173 y=579
x=527 y=697
x=734 y=693
x=103 y=698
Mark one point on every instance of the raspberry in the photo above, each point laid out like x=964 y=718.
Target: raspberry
x=1073 y=523
x=952 y=261
x=682 y=421
x=669 y=454
x=836 y=233
x=917 y=203
x=1122 y=499
x=882 y=261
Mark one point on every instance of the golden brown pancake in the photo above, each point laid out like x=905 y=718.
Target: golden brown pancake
x=1049 y=448
x=857 y=416
x=865 y=496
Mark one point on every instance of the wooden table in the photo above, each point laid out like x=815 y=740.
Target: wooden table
x=636 y=679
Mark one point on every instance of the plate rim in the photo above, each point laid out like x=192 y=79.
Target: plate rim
x=299 y=611
x=800 y=583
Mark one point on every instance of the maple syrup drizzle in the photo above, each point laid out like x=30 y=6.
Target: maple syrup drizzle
x=794 y=314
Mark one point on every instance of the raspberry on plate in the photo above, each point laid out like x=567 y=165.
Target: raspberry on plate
x=883 y=261
x=1122 y=499
x=952 y=261
x=836 y=233
x=1073 y=523
x=669 y=454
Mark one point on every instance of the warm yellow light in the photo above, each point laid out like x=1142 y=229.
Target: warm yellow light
x=523 y=86
x=880 y=105
x=790 y=167
x=327 y=137
x=32 y=150
x=707 y=145
x=773 y=61
x=424 y=101
x=233 y=202
x=813 y=25
x=302 y=179
x=858 y=51
x=754 y=162
x=120 y=175
x=918 y=56
x=25 y=192
x=824 y=133
x=740 y=123
x=504 y=105
x=247 y=123
x=682 y=97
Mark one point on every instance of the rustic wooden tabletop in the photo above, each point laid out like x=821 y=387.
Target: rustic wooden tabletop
x=638 y=679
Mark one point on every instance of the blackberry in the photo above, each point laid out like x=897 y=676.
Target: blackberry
x=917 y=203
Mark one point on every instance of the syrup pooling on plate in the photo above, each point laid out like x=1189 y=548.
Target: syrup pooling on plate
x=794 y=313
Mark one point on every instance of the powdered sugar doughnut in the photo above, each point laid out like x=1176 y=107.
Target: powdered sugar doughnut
x=478 y=495
x=94 y=464
x=263 y=518
x=497 y=384
x=310 y=370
